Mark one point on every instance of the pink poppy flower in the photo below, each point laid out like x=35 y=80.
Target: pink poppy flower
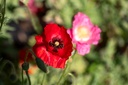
x=84 y=33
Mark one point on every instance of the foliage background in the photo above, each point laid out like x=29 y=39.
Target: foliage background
x=107 y=62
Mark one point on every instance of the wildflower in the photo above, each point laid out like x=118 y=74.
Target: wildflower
x=54 y=46
x=84 y=33
x=35 y=7
x=22 y=56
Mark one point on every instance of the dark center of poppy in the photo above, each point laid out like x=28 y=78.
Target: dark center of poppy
x=56 y=43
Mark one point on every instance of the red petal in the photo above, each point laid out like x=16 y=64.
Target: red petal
x=48 y=58
x=50 y=31
x=39 y=39
x=53 y=30
x=22 y=55
x=45 y=52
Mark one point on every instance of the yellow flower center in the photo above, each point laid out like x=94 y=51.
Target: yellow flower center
x=82 y=33
x=56 y=43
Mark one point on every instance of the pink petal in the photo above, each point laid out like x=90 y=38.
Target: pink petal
x=83 y=48
x=69 y=31
x=95 y=37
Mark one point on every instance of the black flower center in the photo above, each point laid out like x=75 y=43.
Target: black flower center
x=56 y=43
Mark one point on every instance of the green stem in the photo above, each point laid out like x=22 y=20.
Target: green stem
x=26 y=56
x=30 y=50
x=28 y=77
x=42 y=83
x=34 y=21
x=72 y=60
x=62 y=76
x=22 y=77
x=5 y=63
x=65 y=70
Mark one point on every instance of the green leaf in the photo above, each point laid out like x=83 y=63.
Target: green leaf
x=41 y=65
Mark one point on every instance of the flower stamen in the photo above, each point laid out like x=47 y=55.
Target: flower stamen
x=56 y=44
x=82 y=33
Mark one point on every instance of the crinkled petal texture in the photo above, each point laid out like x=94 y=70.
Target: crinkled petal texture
x=54 y=46
x=84 y=33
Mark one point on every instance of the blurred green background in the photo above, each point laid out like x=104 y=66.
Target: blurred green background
x=106 y=64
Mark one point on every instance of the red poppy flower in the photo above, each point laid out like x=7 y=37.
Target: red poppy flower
x=54 y=46
x=22 y=55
